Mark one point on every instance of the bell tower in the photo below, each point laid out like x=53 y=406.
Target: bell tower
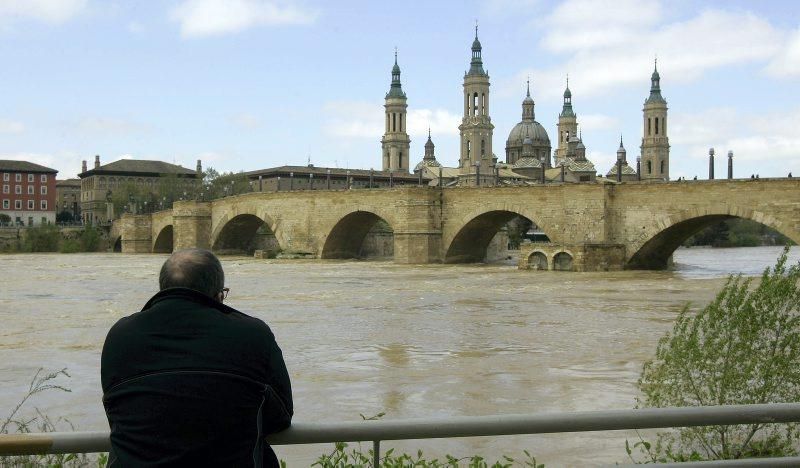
x=655 y=143
x=476 y=125
x=567 y=125
x=395 y=143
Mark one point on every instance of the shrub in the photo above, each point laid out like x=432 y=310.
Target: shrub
x=742 y=348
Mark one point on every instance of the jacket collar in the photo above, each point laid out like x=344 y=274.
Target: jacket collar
x=189 y=295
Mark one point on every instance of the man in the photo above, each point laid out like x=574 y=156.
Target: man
x=189 y=381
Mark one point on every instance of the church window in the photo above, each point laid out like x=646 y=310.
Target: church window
x=475 y=104
x=662 y=167
x=394 y=122
x=648 y=126
x=656 y=125
x=469 y=147
x=649 y=167
x=483 y=104
x=400 y=160
x=483 y=148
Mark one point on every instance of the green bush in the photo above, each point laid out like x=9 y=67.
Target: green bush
x=742 y=348
x=43 y=238
x=90 y=239
x=70 y=246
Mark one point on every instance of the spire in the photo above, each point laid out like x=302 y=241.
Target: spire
x=621 y=153
x=528 y=114
x=655 y=85
x=429 y=147
x=396 y=90
x=476 y=65
x=567 y=111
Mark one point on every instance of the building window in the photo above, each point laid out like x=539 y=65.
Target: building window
x=43 y=190
x=656 y=125
x=394 y=122
x=43 y=178
x=44 y=220
x=17 y=177
x=6 y=177
x=31 y=205
x=483 y=148
x=43 y=204
x=6 y=204
x=648 y=126
x=30 y=190
x=30 y=177
x=6 y=188
x=17 y=204
x=18 y=189
x=649 y=167
x=662 y=167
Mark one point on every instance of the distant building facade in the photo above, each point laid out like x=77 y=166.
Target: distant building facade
x=99 y=183
x=68 y=197
x=29 y=193
x=284 y=178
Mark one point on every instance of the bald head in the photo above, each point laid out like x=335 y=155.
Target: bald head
x=196 y=269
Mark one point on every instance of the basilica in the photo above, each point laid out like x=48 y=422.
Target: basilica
x=530 y=157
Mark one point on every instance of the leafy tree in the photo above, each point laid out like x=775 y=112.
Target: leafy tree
x=64 y=217
x=742 y=348
x=4 y=218
x=218 y=185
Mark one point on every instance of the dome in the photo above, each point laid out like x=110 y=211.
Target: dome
x=532 y=130
x=527 y=141
x=567 y=93
x=476 y=44
x=426 y=163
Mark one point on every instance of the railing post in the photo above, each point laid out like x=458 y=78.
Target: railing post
x=376 y=453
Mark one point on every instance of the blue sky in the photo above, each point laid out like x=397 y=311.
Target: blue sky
x=249 y=84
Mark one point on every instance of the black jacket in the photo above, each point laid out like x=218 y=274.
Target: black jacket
x=189 y=381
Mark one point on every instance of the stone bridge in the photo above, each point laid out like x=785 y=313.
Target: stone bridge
x=634 y=225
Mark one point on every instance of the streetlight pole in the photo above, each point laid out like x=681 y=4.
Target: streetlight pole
x=311 y=181
x=291 y=181
x=711 y=164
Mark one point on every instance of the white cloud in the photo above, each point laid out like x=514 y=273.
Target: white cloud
x=48 y=11
x=135 y=27
x=199 y=18
x=358 y=119
x=10 y=126
x=787 y=63
x=613 y=49
x=770 y=141
x=246 y=121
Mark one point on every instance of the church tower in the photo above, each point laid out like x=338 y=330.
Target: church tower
x=395 y=143
x=476 y=126
x=655 y=144
x=567 y=126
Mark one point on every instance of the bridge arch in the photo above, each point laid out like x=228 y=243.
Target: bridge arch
x=244 y=233
x=164 y=242
x=469 y=243
x=347 y=238
x=661 y=239
x=116 y=246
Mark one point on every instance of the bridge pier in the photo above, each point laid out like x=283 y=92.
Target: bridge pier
x=136 y=233
x=575 y=257
x=191 y=225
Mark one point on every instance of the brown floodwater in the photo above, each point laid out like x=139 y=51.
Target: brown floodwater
x=370 y=337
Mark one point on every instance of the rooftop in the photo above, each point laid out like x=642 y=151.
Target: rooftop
x=139 y=166
x=10 y=165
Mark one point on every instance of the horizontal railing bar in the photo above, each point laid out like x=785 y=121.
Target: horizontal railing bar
x=469 y=426
x=584 y=421
x=792 y=462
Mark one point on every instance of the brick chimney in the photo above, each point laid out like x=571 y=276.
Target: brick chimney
x=83 y=166
x=96 y=161
x=199 y=169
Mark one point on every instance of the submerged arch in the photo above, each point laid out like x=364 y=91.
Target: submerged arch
x=471 y=242
x=537 y=260
x=117 y=246
x=164 y=241
x=244 y=234
x=563 y=261
x=655 y=253
x=360 y=234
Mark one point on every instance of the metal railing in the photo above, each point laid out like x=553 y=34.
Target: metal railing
x=473 y=426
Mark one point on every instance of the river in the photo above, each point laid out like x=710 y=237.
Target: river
x=369 y=337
